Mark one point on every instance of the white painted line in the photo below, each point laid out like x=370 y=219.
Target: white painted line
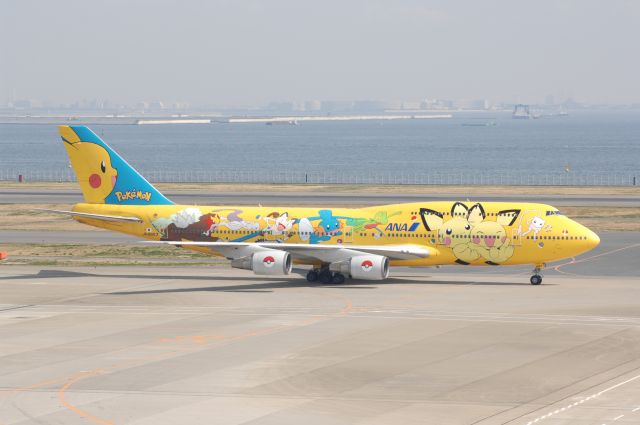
x=592 y=396
x=618 y=417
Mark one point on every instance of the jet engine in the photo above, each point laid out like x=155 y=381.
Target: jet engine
x=268 y=262
x=370 y=267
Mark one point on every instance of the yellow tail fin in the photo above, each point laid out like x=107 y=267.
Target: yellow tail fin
x=104 y=177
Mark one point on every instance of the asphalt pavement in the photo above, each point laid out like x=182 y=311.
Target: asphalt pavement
x=207 y=197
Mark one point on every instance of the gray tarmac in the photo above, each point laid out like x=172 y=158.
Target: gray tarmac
x=206 y=197
x=132 y=345
x=203 y=345
x=89 y=236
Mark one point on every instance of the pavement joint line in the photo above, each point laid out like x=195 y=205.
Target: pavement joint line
x=539 y=407
x=227 y=309
x=248 y=396
x=590 y=258
x=497 y=320
x=590 y=397
x=17 y=307
x=404 y=314
x=306 y=291
x=109 y=369
x=99 y=371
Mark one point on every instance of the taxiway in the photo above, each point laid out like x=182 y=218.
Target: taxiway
x=127 y=345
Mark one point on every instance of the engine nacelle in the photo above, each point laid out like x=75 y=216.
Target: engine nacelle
x=370 y=267
x=268 y=262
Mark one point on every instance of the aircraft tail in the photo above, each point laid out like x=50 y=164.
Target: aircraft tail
x=104 y=177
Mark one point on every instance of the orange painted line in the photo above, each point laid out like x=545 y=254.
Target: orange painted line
x=12 y=391
x=83 y=413
x=100 y=371
x=613 y=251
x=83 y=375
x=557 y=268
x=199 y=340
x=602 y=254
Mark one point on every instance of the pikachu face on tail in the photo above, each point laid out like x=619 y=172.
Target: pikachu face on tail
x=92 y=164
x=104 y=177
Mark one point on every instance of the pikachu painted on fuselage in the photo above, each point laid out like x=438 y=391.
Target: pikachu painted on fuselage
x=455 y=232
x=489 y=238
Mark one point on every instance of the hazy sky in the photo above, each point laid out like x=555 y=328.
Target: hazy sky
x=240 y=52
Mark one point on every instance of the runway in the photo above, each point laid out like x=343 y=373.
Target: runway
x=127 y=345
x=207 y=197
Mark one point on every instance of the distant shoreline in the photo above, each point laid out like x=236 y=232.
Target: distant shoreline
x=361 y=188
x=214 y=119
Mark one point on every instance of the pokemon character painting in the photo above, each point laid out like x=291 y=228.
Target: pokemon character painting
x=338 y=243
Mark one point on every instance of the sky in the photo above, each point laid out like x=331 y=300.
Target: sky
x=251 y=52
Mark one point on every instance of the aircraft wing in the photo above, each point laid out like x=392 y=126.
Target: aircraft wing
x=325 y=253
x=117 y=218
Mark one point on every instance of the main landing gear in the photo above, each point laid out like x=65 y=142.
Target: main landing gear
x=326 y=276
x=536 y=279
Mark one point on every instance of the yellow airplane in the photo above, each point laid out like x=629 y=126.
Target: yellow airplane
x=361 y=243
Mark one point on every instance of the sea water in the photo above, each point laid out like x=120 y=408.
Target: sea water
x=585 y=143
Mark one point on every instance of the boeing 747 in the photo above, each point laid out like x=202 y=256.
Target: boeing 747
x=337 y=243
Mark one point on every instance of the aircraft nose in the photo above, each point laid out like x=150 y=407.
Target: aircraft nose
x=588 y=240
x=593 y=240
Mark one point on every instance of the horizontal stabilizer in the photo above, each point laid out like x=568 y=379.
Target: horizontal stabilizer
x=117 y=218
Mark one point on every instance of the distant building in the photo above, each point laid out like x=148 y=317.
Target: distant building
x=571 y=104
x=521 y=112
x=331 y=106
x=312 y=105
x=436 y=104
x=180 y=106
x=410 y=105
x=22 y=104
x=479 y=104
x=369 y=105
x=156 y=106
x=281 y=107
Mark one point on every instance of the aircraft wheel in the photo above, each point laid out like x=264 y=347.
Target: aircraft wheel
x=325 y=277
x=338 y=278
x=536 y=279
x=312 y=275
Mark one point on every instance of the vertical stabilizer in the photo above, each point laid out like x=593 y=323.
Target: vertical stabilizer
x=104 y=177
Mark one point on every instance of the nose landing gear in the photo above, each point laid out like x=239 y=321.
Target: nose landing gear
x=536 y=279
